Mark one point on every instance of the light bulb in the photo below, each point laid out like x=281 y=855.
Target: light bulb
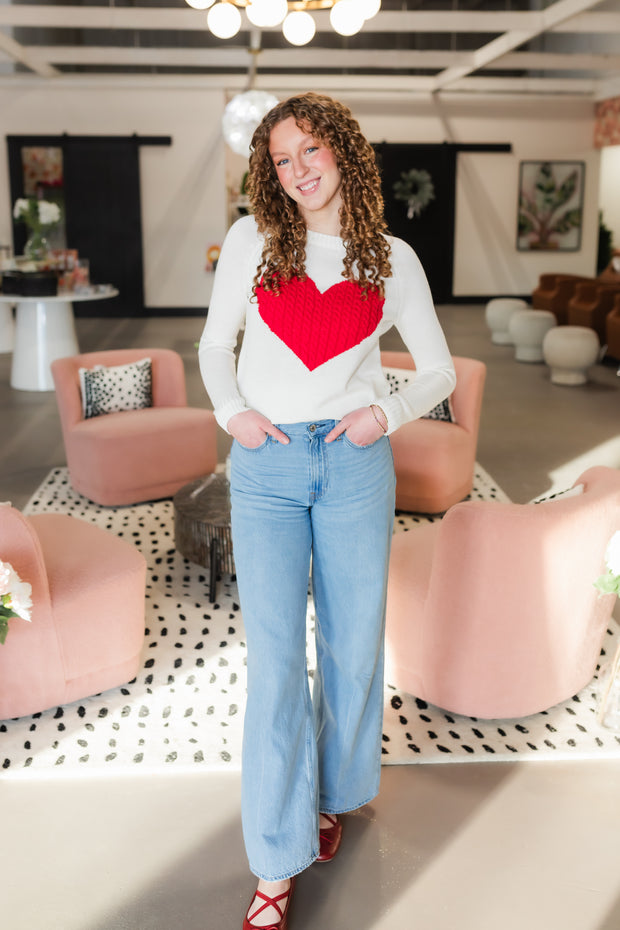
x=266 y=12
x=369 y=8
x=224 y=20
x=346 y=17
x=200 y=4
x=299 y=28
x=241 y=117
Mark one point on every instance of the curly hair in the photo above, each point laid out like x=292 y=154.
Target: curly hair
x=362 y=225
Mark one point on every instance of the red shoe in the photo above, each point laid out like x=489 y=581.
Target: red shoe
x=282 y=923
x=329 y=839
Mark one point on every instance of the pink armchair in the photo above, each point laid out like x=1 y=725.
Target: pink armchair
x=87 y=629
x=136 y=455
x=434 y=460
x=492 y=611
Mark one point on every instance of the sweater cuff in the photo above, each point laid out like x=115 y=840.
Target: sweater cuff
x=228 y=410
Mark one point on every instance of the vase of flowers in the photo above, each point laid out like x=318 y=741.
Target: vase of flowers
x=608 y=711
x=39 y=216
x=14 y=598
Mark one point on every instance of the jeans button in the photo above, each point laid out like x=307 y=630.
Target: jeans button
x=312 y=427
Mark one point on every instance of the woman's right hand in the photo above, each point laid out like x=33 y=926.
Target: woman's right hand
x=250 y=429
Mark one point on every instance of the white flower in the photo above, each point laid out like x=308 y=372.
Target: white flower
x=612 y=554
x=49 y=213
x=6 y=571
x=21 y=599
x=21 y=206
x=15 y=594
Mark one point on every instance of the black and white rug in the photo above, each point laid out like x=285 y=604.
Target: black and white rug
x=184 y=711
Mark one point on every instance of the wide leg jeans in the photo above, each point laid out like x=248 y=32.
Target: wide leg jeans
x=329 y=506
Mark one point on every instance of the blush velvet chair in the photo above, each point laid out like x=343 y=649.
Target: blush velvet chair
x=492 y=612
x=135 y=455
x=434 y=460
x=87 y=628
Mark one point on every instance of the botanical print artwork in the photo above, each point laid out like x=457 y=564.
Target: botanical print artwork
x=550 y=205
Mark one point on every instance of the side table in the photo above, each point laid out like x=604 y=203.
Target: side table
x=202 y=526
x=44 y=331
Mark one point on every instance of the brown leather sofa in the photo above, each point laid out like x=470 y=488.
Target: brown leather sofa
x=554 y=291
x=590 y=305
x=612 y=329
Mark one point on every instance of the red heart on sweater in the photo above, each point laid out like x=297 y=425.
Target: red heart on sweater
x=316 y=326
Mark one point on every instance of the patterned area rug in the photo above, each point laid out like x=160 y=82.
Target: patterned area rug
x=185 y=708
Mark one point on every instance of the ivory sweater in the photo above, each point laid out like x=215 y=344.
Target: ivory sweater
x=312 y=353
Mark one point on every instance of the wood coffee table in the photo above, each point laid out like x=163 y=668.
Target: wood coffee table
x=202 y=526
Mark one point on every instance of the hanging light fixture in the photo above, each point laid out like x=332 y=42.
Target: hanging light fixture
x=241 y=117
x=298 y=25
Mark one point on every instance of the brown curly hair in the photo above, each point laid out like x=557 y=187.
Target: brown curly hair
x=362 y=225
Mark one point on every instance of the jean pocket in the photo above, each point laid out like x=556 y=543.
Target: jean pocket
x=258 y=448
x=354 y=445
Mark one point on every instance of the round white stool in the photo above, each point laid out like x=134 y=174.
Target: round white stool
x=7 y=328
x=497 y=315
x=570 y=351
x=527 y=330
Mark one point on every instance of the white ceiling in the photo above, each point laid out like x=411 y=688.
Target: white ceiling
x=568 y=47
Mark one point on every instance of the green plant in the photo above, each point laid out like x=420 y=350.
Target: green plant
x=605 y=245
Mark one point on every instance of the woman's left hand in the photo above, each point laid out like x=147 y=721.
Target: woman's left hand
x=360 y=426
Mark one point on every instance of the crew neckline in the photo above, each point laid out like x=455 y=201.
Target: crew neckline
x=330 y=242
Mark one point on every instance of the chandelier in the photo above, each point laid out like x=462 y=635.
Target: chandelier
x=298 y=25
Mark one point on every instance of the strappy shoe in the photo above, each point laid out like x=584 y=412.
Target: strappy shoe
x=329 y=838
x=280 y=924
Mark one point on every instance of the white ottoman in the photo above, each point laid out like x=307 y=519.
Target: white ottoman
x=7 y=328
x=570 y=351
x=527 y=330
x=497 y=315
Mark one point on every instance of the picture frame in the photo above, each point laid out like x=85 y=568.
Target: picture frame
x=550 y=206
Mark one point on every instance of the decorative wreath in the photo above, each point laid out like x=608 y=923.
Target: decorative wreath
x=416 y=188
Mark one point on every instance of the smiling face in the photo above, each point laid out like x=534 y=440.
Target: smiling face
x=309 y=174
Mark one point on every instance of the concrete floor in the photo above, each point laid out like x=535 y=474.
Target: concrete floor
x=466 y=846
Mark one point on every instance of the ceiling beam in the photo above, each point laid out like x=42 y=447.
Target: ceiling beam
x=28 y=57
x=558 y=12
x=275 y=59
x=158 y=18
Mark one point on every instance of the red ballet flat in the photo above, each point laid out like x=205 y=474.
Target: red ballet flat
x=280 y=924
x=329 y=839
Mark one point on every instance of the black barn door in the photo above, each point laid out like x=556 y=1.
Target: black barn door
x=102 y=195
x=431 y=233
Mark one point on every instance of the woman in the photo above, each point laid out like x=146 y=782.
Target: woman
x=315 y=281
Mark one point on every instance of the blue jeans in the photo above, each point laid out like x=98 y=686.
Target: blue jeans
x=329 y=506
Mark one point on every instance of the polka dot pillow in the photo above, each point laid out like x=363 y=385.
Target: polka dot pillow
x=400 y=377
x=116 y=388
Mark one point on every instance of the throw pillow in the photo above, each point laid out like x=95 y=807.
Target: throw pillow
x=400 y=377
x=559 y=495
x=115 y=388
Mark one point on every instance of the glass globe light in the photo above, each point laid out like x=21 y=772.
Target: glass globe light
x=369 y=8
x=241 y=117
x=346 y=17
x=266 y=12
x=224 y=20
x=200 y=4
x=299 y=28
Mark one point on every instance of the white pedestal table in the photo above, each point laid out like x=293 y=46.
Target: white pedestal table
x=44 y=331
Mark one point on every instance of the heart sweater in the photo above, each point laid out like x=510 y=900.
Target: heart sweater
x=312 y=351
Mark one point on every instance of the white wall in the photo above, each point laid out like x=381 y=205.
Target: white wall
x=184 y=196
x=182 y=185
x=486 y=257
x=610 y=191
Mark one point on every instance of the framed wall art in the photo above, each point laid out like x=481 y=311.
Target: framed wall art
x=550 y=206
